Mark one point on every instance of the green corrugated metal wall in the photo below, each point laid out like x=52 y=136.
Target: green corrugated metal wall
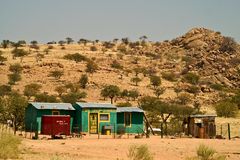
x=136 y=122
x=33 y=117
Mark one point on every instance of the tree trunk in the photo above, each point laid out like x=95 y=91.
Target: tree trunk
x=111 y=100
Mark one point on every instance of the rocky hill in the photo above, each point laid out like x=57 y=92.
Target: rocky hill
x=201 y=66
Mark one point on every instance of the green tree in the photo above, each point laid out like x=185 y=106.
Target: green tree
x=191 y=78
x=5 y=90
x=60 y=90
x=228 y=45
x=73 y=97
x=133 y=94
x=69 y=40
x=13 y=107
x=61 y=43
x=31 y=89
x=110 y=91
x=19 y=53
x=159 y=91
x=83 y=81
x=13 y=78
x=116 y=64
x=76 y=57
x=5 y=43
x=91 y=67
x=44 y=97
x=16 y=68
x=57 y=74
x=226 y=109
x=136 y=80
x=155 y=81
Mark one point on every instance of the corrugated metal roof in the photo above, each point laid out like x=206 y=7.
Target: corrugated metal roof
x=129 y=109
x=203 y=115
x=58 y=106
x=95 y=105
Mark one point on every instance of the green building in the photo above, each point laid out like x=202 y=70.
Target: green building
x=130 y=119
x=96 y=118
x=35 y=111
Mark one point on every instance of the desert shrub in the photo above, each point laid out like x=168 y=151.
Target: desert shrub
x=5 y=90
x=83 y=81
x=226 y=109
x=228 y=45
x=91 y=67
x=193 y=89
x=93 y=48
x=170 y=76
x=187 y=59
x=73 y=97
x=16 y=68
x=234 y=61
x=218 y=87
x=116 y=64
x=122 y=49
x=60 y=90
x=133 y=94
x=139 y=153
x=31 y=89
x=57 y=74
x=159 y=91
x=13 y=78
x=43 y=97
x=124 y=104
x=2 y=59
x=191 y=78
x=207 y=153
x=183 y=98
x=9 y=146
x=155 y=81
x=76 y=57
x=50 y=47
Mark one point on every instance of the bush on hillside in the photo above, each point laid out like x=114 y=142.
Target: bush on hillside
x=226 y=109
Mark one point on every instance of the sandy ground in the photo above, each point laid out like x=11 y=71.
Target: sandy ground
x=108 y=148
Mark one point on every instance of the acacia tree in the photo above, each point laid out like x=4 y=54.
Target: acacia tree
x=69 y=40
x=136 y=80
x=155 y=81
x=157 y=107
x=15 y=76
x=13 y=108
x=83 y=81
x=31 y=90
x=57 y=74
x=110 y=91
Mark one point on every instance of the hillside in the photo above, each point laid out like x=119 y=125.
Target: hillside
x=200 y=51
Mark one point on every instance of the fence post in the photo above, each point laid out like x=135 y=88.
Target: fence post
x=229 y=132
x=221 y=130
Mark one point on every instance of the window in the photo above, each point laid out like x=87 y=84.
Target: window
x=55 y=113
x=104 y=117
x=127 y=119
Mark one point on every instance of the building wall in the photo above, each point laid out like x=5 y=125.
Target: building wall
x=83 y=118
x=136 y=122
x=33 y=117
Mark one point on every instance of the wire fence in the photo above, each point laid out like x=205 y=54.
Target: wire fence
x=228 y=130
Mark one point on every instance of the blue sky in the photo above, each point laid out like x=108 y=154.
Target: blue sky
x=47 y=20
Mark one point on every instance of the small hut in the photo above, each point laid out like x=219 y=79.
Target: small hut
x=95 y=118
x=131 y=119
x=200 y=126
x=36 y=111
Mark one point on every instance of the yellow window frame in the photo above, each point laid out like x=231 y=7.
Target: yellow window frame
x=104 y=120
x=130 y=119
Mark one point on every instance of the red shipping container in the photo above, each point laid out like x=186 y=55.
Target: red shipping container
x=56 y=125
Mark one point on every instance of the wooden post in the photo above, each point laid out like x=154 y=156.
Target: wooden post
x=98 y=135
x=221 y=130
x=229 y=132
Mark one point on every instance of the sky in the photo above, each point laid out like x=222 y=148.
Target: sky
x=48 y=20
